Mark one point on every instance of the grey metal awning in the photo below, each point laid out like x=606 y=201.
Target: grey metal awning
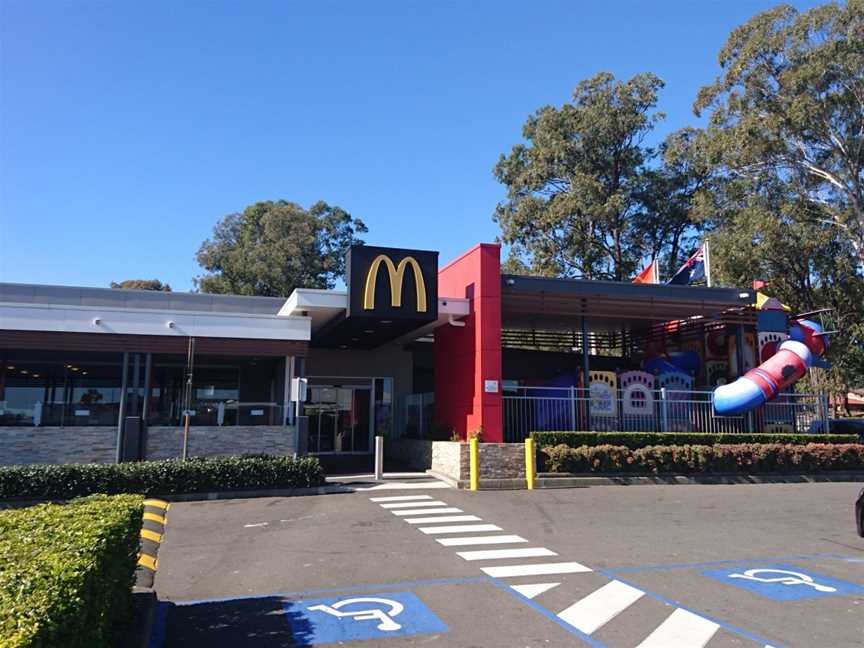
x=549 y=304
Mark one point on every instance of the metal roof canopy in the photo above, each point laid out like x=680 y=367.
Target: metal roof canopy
x=560 y=304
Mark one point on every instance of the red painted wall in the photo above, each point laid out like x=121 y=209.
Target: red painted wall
x=466 y=357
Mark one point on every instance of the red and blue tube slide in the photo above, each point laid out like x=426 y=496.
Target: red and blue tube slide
x=763 y=383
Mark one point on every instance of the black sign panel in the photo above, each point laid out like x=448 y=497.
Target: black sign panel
x=392 y=284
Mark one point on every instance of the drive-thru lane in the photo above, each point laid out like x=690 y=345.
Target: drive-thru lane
x=645 y=566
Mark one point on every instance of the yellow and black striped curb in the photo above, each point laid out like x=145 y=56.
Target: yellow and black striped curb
x=152 y=530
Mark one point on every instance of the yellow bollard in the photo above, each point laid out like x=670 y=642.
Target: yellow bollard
x=474 y=456
x=529 y=462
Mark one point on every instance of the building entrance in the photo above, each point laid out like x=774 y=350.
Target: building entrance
x=340 y=417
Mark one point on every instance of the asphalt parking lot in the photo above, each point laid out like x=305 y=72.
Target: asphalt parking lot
x=645 y=566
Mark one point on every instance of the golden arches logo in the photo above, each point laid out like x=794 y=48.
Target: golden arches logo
x=396 y=276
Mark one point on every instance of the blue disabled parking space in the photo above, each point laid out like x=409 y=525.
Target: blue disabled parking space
x=784 y=582
x=401 y=614
x=781 y=601
x=360 y=617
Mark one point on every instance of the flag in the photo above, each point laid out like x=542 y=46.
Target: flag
x=649 y=275
x=692 y=271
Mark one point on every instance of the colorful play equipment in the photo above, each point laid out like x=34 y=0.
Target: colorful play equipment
x=805 y=347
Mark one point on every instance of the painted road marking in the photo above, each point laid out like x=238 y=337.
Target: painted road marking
x=503 y=554
x=480 y=540
x=337 y=620
x=427 y=511
x=257 y=524
x=157 y=503
x=460 y=528
x=509 y=571
x=404 y=486
x=400 y=498
x=399 y=505
x=154 y=518
x=784 y=582
x=601 y=606
x=443 y=518
x=682 y=629
x=534 y=589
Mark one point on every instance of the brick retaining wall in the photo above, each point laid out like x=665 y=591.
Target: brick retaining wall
x=30 y=445
x=97 y=444
x=452 y=459
x=215 y=441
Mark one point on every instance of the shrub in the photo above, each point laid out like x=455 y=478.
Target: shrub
x=642 y=439
x=689 y=459
x=66 y=571
x=160 y=477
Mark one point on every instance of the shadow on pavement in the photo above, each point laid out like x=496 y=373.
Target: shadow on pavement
x=261 y=622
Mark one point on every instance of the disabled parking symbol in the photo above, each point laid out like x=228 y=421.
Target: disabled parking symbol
x=355 y=618
x=785 y=582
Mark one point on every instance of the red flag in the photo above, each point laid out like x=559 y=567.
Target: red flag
x=649 y=275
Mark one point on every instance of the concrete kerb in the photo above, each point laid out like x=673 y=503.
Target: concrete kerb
x=563 y=480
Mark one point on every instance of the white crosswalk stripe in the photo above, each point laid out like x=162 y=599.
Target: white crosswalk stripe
x=404 y=486
x=398 y=505
x=601 y=606
x=443 y=518
x=533 y=590
x=461 y=528
x=400 y=498
x=503 y=554
x=682 y=629
x=480 y=540
x=435 y=511
x=538 y=569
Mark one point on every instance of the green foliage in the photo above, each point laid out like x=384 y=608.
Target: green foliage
x=160 y=477
x=692 y=459
x=785 y=202
x=572 y=189
x=66 y=571
x=141 y=284
x=788 y=110
x=274 y=247
x=635 y=440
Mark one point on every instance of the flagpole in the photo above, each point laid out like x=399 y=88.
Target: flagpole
x=707 y=255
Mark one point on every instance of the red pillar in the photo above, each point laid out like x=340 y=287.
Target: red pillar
x=466 y=358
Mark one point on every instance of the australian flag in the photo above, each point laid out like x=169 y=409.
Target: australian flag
x=693 y=270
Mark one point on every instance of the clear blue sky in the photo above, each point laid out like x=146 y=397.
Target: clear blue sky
x=127 y=129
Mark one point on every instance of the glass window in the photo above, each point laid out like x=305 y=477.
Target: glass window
x=59 y=389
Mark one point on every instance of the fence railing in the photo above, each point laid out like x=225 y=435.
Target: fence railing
x=546 y=409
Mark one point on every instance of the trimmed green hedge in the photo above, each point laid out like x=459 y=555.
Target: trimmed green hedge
x=66 y=571
x=160 y=477
x=690 y=459
x=635 y=440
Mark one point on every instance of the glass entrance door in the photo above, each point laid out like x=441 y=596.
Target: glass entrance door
x=339 y=418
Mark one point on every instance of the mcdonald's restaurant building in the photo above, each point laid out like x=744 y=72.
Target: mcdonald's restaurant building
x=409 y=350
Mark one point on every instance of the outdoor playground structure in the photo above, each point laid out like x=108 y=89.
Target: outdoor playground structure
x=695 y=375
